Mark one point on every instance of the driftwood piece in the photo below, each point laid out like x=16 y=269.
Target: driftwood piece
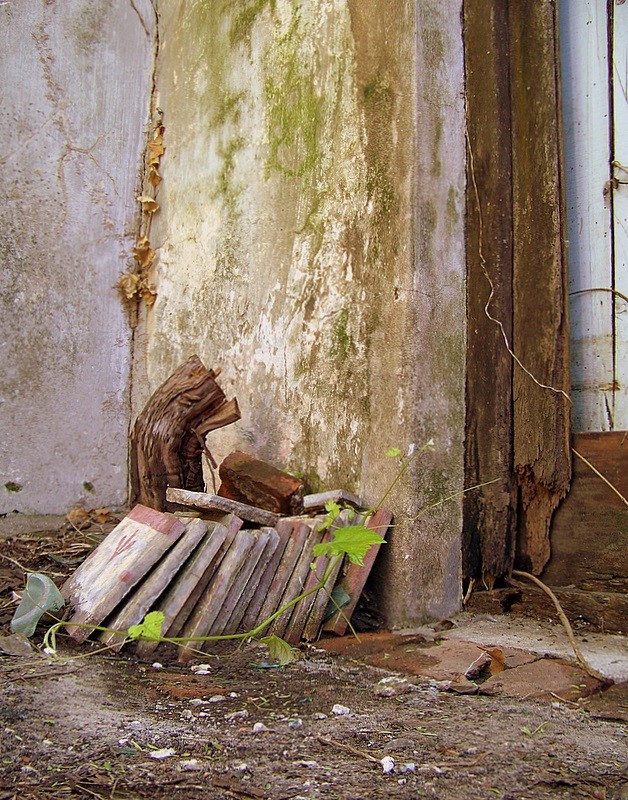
x=294 y=547
x=316 y=501
x=248 y=480
x=167 y=441
x=117 y=565
x=355 y=575
x=211 y=502
x=268 y=547
x=154 y=584
x=208 y=607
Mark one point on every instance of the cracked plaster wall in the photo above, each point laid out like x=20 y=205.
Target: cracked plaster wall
x=75 y=91
x=310 y=244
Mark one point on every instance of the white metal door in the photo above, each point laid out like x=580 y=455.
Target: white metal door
x=594 y=56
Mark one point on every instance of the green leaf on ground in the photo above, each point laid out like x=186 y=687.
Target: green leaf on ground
x=278 y=650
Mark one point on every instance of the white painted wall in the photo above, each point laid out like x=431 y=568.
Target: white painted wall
x=594 y=128
x=76 y=77
x=620 y=211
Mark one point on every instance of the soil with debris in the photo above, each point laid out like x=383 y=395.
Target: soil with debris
x=84 y=724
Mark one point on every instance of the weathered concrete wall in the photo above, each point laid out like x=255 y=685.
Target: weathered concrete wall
x=310 y=243
x=75 y=87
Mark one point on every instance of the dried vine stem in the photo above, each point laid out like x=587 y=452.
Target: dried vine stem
x=566 y=624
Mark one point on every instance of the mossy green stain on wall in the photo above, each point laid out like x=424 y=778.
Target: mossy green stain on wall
x=293 y=107
x=242 y=24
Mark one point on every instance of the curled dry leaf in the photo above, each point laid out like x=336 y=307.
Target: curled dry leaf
x=149 y=204
x=78 y=518
x=143 y=253
x=156 y=148
x=154 y=178
x=148 y=294
x=128 y=285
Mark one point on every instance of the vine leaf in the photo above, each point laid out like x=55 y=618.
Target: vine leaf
x=354 y=541
x=278 y=650
x=149 y=628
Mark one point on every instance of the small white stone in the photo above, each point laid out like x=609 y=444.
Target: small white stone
x=388 y=765
x=320 y=715
x=47 y=742
x=241 y=767
x=157 y=665
x=191 y=765
x=187 y=714
x=295 y=723
x=159 y=755
x=235 y=715
x=259 y=727
x=135 y=724
x=340 y=710
x=217 y=698
x=196 y=701
x=233 y=694
x=410 y=767
x=201 y=669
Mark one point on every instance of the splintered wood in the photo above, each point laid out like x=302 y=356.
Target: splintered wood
x=214 y=578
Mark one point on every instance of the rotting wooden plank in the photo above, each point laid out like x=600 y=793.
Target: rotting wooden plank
x=606 y=612
x=182 y=596
x=542 y=408
x=117 y=565
x=355 y=575
x=213 y=502
x=267 y=554
x=297 y=582
x=154 y=584
x=226 y=540
x=294 y=548
x=231 y=603
x=251 y=615
x=489 y=530
x=589 y=534
x=316 y=501
x=300 y=612
x=208 y=608
x=312 y=627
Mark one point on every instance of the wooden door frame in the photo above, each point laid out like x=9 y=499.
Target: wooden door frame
x=518 y=409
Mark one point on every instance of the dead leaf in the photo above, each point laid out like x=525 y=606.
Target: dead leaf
x=498 y=660
x=148 y=294
x=78 y=518
x=143 y=253
x=100 y=515
x=154 y=178
x=149 y=204
x=156 y=148
x=128 y=284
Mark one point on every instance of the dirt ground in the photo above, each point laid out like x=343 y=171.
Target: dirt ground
x=327 y=726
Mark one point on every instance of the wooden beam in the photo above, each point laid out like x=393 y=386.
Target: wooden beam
x=212 y=502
